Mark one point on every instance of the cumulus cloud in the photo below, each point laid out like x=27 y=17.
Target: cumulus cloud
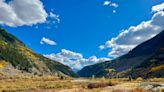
x=158 y=8
x=135 y=35
x=158 y=18
x=45 y=40
x=22 y=12
x=73 y=59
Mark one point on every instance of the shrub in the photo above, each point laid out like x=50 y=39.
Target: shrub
x=97 y=85
x=139 y=79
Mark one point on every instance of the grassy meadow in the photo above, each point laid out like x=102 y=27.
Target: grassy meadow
x=56 y=84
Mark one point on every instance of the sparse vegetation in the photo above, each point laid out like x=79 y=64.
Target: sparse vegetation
x=2 y=64
x=54 y=84
x=139 y=79
x=132 y=90
x=157 y=68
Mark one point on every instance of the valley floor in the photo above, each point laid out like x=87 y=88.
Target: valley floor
x=52 y=84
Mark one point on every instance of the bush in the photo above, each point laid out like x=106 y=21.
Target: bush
x=97 y=85
x=139 y=79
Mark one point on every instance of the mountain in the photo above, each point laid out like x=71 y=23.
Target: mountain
x=15 y=55
x=146 y=60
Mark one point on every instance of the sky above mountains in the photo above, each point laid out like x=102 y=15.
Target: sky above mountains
x=82 y=32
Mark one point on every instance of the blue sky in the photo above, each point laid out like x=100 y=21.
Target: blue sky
x=84 y=25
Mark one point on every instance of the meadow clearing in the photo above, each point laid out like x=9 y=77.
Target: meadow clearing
x=55 y=84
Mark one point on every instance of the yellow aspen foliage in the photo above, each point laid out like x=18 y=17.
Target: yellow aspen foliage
x=157 y=68
x=2 y=64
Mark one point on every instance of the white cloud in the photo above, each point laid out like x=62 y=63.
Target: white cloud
x=75 y=60
x=158 y=19
x=45 y=40
x=158 y=8
x=22 y=12
x=106 y=3
x=55 y=17
x=114 y=11
x=135 y=35
x=109 y=3
x=71 y=54
x=114 y=5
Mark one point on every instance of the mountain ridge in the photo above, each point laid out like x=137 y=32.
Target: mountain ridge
x=14 y=52
x=127 y=64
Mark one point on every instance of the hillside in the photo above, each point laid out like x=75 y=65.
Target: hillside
x=15 y=55
x=146 y=60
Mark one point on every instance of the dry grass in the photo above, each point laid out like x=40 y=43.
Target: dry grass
x=156 y=80
x=132 y=90
x=33 y=83
x=54 y=84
